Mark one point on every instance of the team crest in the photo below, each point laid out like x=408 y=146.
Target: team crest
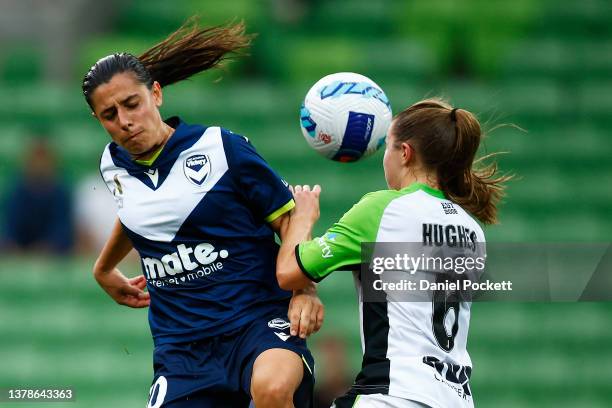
x=197 y=168
x=279 y=324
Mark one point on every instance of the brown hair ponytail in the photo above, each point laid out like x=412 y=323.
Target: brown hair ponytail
x=184 y=53
x=192 y=49
x=446 y=140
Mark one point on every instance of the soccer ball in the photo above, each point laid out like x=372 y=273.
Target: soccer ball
x=345 y=116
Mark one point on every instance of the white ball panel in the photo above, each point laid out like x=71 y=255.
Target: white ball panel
x=345 y=93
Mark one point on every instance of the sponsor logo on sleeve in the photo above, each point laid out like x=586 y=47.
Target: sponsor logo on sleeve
x=326 y=251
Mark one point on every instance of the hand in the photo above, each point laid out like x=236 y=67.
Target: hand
x=306 y=202
x=306 y=312
x=127 y=292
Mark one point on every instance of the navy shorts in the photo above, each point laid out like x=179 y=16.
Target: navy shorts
x=216 y=372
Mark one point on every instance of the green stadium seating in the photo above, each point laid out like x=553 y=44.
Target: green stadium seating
x=542 y=66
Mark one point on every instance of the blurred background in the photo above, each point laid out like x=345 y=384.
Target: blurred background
x=545 y=66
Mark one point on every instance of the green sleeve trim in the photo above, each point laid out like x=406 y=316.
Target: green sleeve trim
x=302 y=268
x=285 y=208
x=150 y=161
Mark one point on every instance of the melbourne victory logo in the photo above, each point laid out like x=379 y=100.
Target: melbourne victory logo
x=197 y=168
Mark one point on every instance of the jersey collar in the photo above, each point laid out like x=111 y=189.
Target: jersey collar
x=422 y=186
x=183 y=137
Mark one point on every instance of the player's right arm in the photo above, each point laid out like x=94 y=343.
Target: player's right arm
x=301 y=259
x=125 y=291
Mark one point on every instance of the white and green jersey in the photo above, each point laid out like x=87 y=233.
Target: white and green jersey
x=411 y=350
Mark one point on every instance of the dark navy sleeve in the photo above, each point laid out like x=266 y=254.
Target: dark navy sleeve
x=265 y=191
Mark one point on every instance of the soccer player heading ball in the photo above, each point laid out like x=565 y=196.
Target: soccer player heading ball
x=201 y=207
x=414 y=352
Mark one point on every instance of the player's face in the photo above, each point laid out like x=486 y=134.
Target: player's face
x=392 y=162
x=129 y=112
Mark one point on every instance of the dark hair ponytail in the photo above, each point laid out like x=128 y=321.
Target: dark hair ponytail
x=184 y=53
x=446 y=140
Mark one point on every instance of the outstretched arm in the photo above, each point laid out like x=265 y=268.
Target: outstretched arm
x=125 y=291
x=297 y=229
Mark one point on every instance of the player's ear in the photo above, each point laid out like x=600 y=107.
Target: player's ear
x=156 y=91
x=407 y=152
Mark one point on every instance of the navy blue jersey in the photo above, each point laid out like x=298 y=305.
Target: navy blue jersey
x=199 y=218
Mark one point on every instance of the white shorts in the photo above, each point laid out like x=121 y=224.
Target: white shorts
x=384 y=401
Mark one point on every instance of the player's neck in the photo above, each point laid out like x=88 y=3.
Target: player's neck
x=167 y=131
x=415 y=176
